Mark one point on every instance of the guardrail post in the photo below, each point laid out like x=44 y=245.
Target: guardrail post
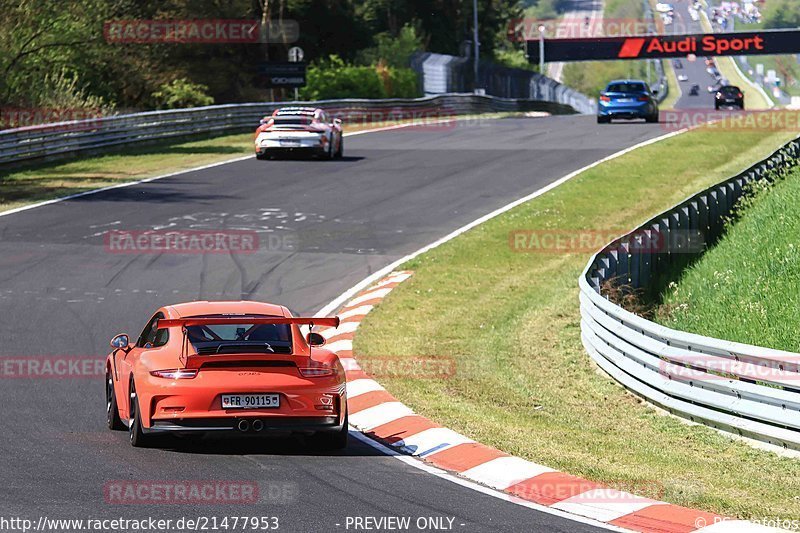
x=623 y=263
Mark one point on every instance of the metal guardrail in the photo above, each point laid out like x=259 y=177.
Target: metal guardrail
x=442 y=73
x=95 y=134
x=743 y=389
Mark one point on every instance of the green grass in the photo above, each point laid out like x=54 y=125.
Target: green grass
x=523 y=382
x=745 y=288
x=674 y=87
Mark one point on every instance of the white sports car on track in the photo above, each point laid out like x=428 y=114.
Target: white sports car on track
x=299 y=129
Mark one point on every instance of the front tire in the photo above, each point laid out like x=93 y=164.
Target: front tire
x=113 y=420
x=136 y=433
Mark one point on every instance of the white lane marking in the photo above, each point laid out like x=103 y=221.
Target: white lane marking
x=371 y=295
x=383 y=272
x=357 y=387
x=361 y=310
x=379 y=415
x=431 y=441
x=503 y=472
x=604 y=504
x=349 y=364
x=339 y=346
x=347 y=327
x=432 y=470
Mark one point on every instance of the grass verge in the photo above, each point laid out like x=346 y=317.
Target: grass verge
x=675 y=91
x=44 y=181
x=745 y=288
x=523 y=382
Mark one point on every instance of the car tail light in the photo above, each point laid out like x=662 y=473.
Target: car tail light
x=604 y=98
x=718 y=95
x=643 y=98
x=739 y=95
x=316 y=371
x=175 y=373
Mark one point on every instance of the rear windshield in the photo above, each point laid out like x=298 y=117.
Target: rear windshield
x=626 y=88
x=240 y=337
x=730 y=89
x=292 y=121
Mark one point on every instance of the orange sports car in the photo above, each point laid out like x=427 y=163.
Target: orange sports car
x=242 y=368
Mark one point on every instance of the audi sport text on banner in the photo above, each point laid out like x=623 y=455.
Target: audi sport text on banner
x=663 y=46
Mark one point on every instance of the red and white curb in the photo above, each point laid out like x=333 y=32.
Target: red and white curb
x=380 y=416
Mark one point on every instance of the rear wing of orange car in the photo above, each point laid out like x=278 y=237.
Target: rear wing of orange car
x=218 y=321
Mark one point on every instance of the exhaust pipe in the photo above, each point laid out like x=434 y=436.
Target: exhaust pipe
x=258 y=425
x=243 y=425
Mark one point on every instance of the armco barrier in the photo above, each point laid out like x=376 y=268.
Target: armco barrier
x=64 y=138
x=743 y=389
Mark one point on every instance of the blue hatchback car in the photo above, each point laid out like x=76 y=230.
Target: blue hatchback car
x=627 y=99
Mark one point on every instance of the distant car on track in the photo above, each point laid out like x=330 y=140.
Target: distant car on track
x=299 y=129
x=229 y=368
x=729 y=95
x=627 y=99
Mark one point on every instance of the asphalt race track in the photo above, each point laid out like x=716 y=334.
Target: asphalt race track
x=323 y=226
x=695 y=70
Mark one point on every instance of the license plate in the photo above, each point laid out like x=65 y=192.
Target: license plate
x=289 y=142
x=250 y=401
x=624 y=99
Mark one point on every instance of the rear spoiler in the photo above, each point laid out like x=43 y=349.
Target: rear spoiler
x=216 y=321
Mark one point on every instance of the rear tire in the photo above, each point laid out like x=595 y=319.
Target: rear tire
x=113 y=420
x=331 y=440
x=262 y=157
x=652 y=119
x=603 y=120
x=136 y=433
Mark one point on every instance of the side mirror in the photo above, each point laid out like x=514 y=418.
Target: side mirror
x=315 y=339
x=655 y=93
x=121 y=341
x=337 y=121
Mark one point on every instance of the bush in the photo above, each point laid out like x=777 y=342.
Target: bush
x=591 y=77
x=782 y=14
x=333 y=78
x=392 y=51
x=181 y=93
